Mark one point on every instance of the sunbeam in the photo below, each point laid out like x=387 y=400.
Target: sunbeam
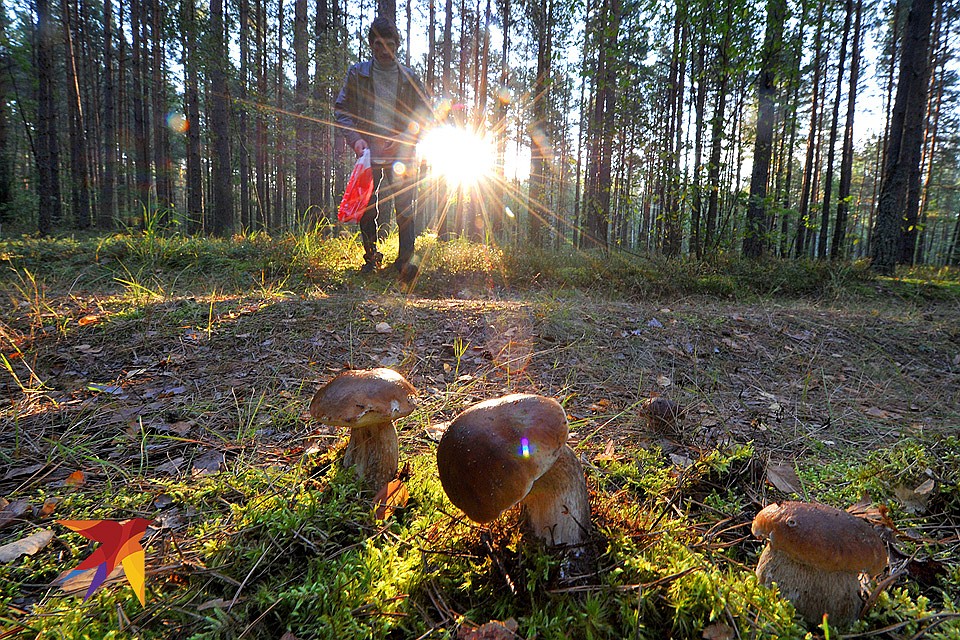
x=460 y=156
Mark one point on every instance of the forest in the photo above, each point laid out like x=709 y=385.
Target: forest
x=824 y=130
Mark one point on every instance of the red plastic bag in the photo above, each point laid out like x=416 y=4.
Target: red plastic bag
x=358 y=192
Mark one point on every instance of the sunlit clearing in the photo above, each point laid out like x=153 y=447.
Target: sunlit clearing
x=462 y=157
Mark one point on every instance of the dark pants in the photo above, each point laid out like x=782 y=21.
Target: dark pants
x=391 y=191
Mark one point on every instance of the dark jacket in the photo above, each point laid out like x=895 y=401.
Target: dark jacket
x=354 y=106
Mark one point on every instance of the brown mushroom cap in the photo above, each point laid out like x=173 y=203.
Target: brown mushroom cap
x=492 y=453
x=822 y=537
x=363 y=398
x=662 y=413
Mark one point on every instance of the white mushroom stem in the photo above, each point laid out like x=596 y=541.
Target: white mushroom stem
x=812 y=591
x=557 y=509
x=374 y=453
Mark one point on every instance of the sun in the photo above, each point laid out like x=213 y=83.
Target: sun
x=460 y=156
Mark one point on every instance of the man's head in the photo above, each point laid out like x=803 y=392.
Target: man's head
x=384 y=40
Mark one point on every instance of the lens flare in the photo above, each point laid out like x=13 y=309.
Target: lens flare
x=462 y=157
x=524 y=447
x=178 y=122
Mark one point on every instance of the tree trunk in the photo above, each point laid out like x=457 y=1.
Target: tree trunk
x=938 y=84
x=279 y=200
x=601 y=212
x=301 y=127
x=243 y=118
x=699 y=101
x=260 y=141
x=538 y=126
x=161 y=133
x=756 y=236
x=431 y=46
x=218 y=117
x=388 y=9
x=6 y=147
x=194 y=178
x=320 y=149
x=80 y=178
x=48 y=152
x=138 y=96
x=809 y=167
x=891 y=242
x=846 y=162
x=832 y=144
x=108 y=194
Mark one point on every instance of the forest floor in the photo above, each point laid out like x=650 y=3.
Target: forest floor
x=142 y=384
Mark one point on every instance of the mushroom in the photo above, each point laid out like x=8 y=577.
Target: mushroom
x=367 y=401
x=662 y=414
x=816 y=554
x=512 y=450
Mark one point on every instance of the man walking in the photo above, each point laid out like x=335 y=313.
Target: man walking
x=383 y=107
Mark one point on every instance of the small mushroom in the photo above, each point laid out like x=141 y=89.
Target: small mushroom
x=367 y=401
x=662 y=414
x=513 y=450
x=816 y=555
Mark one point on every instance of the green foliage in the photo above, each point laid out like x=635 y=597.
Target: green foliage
x=279 y=539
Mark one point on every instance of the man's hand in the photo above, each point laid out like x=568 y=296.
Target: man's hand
x=360 y=146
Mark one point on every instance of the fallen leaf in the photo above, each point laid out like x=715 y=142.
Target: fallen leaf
x=90 y=318
x=436 y=431
x=12 y=511
x=23 y=471
x=393 y=495
x=664 y=381
x=718 y=631
x=681 y=460
x=926 y=488
x=87 y=349
x=49 y=505
x=171 y=467
x=216 y=603
x=607 y=453
x=80 y=582
x=384 y=327
x=209 y=463
x=182 y=427
x=76 y=479
x=910 y=499
x=876 y=412
x=26 y=546
x=784 y=477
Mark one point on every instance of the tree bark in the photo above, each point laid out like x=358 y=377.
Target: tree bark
x=756 y=235
x=108 y=194
x=48 y=152
x=243 y=118
x=538 y=125
x=301 y=127
x=846 y=162
x=832 y=144
x=194 y=178
x=260 y=141
x=890 y=242
x=80 y=174
x=218 y=117
x=163 y=166
x=809 y=166
x=138 y=96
